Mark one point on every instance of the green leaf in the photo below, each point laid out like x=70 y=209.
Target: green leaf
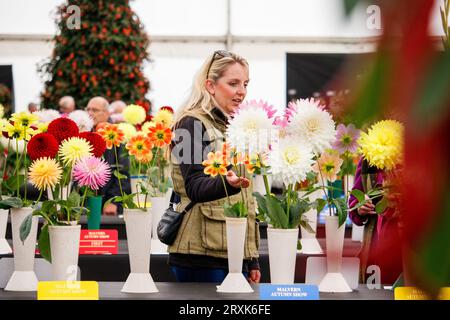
x=299 y=245
x=349 y=5
x=25 y=227
x=261 y=201
x=231 y=211
x=44 y=244
x=276 y=212
x=305 y=224
x=381 y=206
x=11 y=203
x=118 y=175
x=341 y=208
x=319 y=204
x=74 y=199
x=359 y=195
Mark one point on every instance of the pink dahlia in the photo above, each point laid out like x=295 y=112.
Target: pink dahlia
x=91 y=172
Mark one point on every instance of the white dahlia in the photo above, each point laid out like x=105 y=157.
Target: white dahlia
x=83 y=120
x=310 y=122
x=291 y=160
x=47 y=115
x=128 y=129
x=251 y=128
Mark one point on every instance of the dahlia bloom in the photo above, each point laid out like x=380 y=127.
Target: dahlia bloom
x=63 y=128
x=112 y=135
x=96 y=141
x=328 y=166
x=92 y=172
x=346 y=139
x=42 y=145
x=44 y=173
x=214 y=165
x=160 y=135
x=74 y=149
x=83 y=120
x=134 y=114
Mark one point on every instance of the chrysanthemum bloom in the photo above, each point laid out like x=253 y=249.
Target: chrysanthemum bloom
x=251 y=127
x=63 y=128
x=82 y=119
x=96 y=141
x=92 y=172
x=128 y=130
x=47 y=115
x=42 y=145
x=328 y=166
x=44 y=173
x=24 y=119
x=312 y=124
x=291 y=160
x=112 y=135
x=74 y=149
x=346 y=139
x=160 y=135
x=134 y=114
x=382 y=145
x=139 y=146
x=163 y=116
x=214 y=164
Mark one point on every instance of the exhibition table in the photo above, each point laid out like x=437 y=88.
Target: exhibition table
x=201 y=291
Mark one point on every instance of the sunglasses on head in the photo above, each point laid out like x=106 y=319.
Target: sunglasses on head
x=220 y=53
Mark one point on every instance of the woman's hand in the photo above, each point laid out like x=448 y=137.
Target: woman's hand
x=235 y=181
x=254 y=276
x=367 y=208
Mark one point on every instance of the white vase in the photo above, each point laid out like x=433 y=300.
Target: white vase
x=282 y=254
x=4 y=245
x=235 y=280
x=309 y=242
x=138 y=225
x=23 y=277
x=333 y=280
x=64 y=246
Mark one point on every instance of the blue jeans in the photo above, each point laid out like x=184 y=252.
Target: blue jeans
x=200 y=274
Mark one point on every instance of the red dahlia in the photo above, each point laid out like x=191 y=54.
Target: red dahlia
x=96 y=141
x=42 y=145
x=168 y=108
x=63 y=128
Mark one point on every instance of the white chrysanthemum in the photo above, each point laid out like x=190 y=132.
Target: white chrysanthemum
x=291 y=160
x=83 y=120
x=128 y=130
x=309 y=122
x=47 y=115
x=250 y=130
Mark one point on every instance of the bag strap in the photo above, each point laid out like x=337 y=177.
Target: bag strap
x=173 y=199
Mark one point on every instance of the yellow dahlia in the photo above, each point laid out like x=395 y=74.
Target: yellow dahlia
x=24 y=119
x=45 y=173
x=164 y=116
x=134 y=114
x=73 y=149
x=128 y=130
x=382 y=145
x=146 y=126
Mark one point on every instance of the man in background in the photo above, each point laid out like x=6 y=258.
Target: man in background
x=33 y=107
x=66 y=105
x=115 y=111
x=97 y=108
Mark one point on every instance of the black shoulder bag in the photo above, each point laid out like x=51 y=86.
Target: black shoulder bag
x=170 y=222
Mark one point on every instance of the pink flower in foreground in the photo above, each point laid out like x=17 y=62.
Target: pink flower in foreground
x=91 y=172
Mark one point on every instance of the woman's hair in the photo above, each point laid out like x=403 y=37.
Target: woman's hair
x=200 y=100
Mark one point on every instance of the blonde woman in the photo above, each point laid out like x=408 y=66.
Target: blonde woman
x=199 y=253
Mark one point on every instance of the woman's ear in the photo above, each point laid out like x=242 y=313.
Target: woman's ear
x=210 y=87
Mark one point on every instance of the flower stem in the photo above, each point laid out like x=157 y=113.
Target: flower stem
x=225 y=187
x=17 y=166
x=117 y=168
x=40 y=195
x=288 y=201
x=324 y=189
x=84 y=196
x=4 y=167
x=25 y=163
x=266 y=181
x=137 y=188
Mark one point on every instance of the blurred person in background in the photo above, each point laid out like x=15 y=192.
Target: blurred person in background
x=115 y=111
x=66 y=105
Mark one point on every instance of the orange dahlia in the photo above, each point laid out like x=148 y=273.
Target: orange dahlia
x=140 y=147
x=112 y=135
x=160 y=135
x=214 y=165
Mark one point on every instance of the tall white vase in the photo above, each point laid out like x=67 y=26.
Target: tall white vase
x=334 y=281
x=357 y=231
x=64 y=246
x=4 y=245
x=309 y=242
x=235 y=280
x=23 y=277
x=282 y=254
x=138 y=224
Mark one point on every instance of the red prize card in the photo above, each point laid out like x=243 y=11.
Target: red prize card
x=99 y=241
